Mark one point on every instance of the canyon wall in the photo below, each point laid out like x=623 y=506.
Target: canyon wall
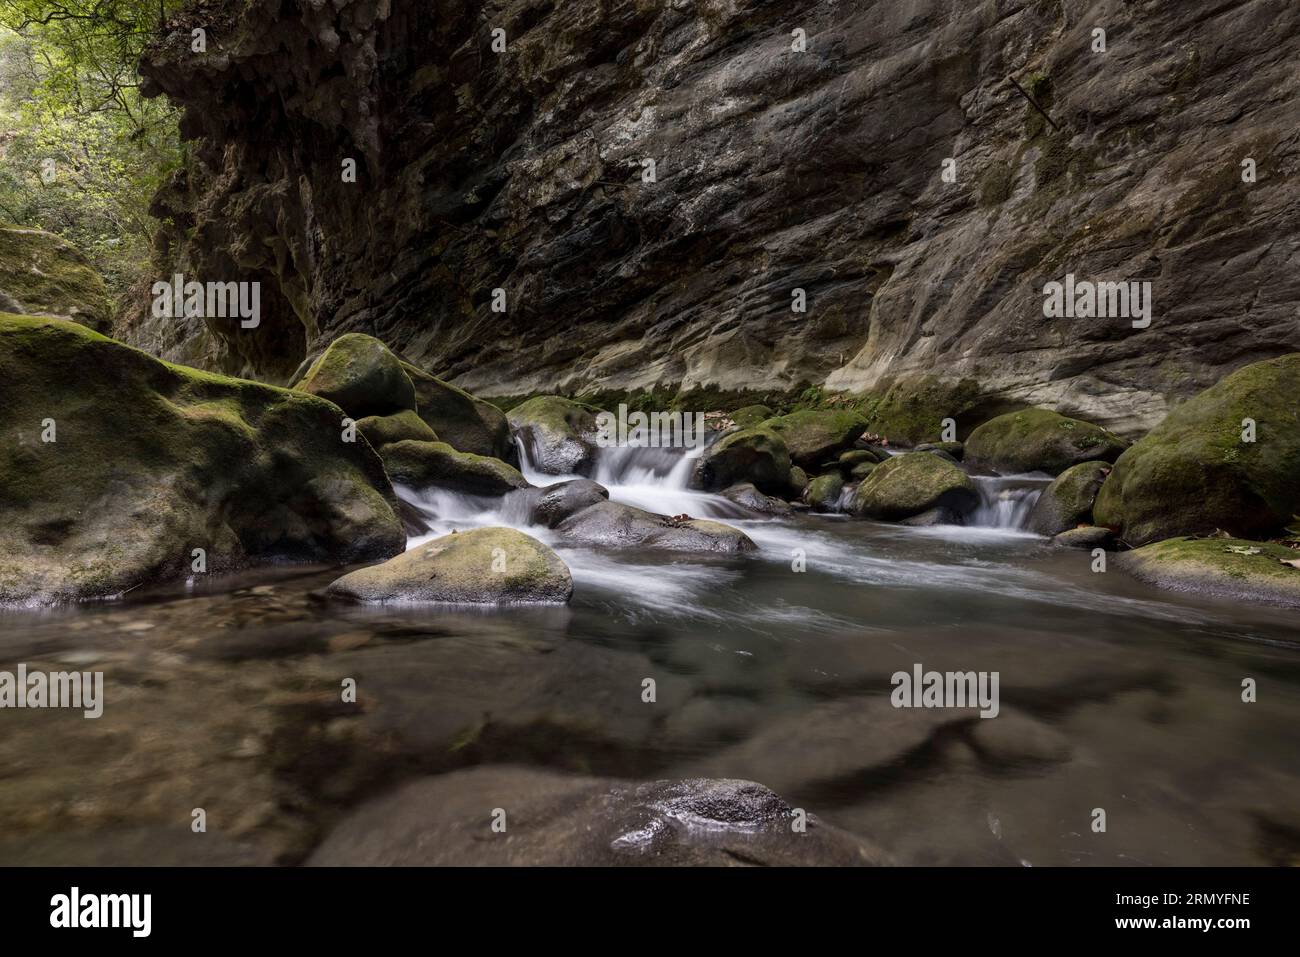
x=775 y=168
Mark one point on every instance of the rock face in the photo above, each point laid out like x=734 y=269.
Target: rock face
x=1067 y=502
x=43 y=275
x=1219 y=567
x=912 y=484
x=115 y=466
x=1039 y=440
x=482 y=566
x=775 y=169
x=1195 y=473
x=562 y=820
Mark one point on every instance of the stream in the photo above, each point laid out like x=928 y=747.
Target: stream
x=222 y=694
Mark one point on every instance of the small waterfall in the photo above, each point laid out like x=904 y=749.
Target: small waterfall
x=1006 y=501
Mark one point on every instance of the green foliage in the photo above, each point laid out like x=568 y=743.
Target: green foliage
x=83 y=152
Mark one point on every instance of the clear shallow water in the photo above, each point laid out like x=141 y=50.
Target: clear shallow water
x=225 y=696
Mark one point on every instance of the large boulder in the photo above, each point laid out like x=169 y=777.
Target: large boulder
x=614 y=525
x=422 y=465
x=747 y=496
x=749 y=416
x=911 y=484
x=1039 y=440
x=824 y=492
x=466 y=423
x=1234 y=569
x=1194 y=474
x=755 y=455
x=558 y=434
x=563 y=820
x=814 y=435
x=361 y=376
x=1067 y=501
x=43 y=275
x=482 y=566
x=553 y=504
x=150 y=461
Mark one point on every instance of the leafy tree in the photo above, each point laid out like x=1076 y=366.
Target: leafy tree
x=81 y=151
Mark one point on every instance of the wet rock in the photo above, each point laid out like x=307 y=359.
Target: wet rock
x=854 y=457
x=1015 y=738
x=148 y=461
x=561 y=820
x=824 y=492
x=613 y=525
x=1194 y=473
x=1232 y=569
x=813 y=435
x=381 y=430
x=555 y=503
x=44 y=275
x=756 y=455
x=1086 y=536
x=862 y=470
x=932 y=517
x=1039 y=440
x=361 y=376
x=481 y=566
x=560 y=434
x=747 y=496
x=1067 y=501
x=466 y=423
x=910 y=484
x=954 y=449
x=798 y=481
x=436 y=464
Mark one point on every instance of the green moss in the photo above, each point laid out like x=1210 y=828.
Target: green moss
x=812 y=435
x=425 y=464
x=913 y=483
x=1233 y=568
x=911 y=411
x=1034 y=440
x=381 y=430
x=360 y=375
x=44 y=274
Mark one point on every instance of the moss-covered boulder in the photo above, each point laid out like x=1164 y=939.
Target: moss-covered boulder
x=483 y=566
x=421 y=465
x=1194 y=473
x=1067 y=502
x=115 y=467
x=1039 y=440
x=749 y=416
x=798 y=481
x=854 y=457
x=466 y=423
x=862 y=470
x=912 y=411
x=756 y=455
x=614 y=525
x=559 y=435
x=910 y=484
x=1234 y=569
x=814 y=435
x=44 y=275
x=824 y=492
x=955 y=450
x=361 y=376
x=381 y=430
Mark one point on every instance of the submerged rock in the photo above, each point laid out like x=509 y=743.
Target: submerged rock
x=466 y=423
x=42 y=274
x=482 y=566
x=912 y=483
x=1067 y=501
x=116 y=467
x=361 y=376
x=564 y=820
x=747 y=496
x=381 y=430
x=1195 y=472
x=559 y=434
x=1039 y=440
x=756 y=455
x=816 y=434
x=614 y=525
x=424 y=464
x=1234 y=569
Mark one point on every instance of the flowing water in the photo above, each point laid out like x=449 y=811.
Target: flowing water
x=224 y=694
